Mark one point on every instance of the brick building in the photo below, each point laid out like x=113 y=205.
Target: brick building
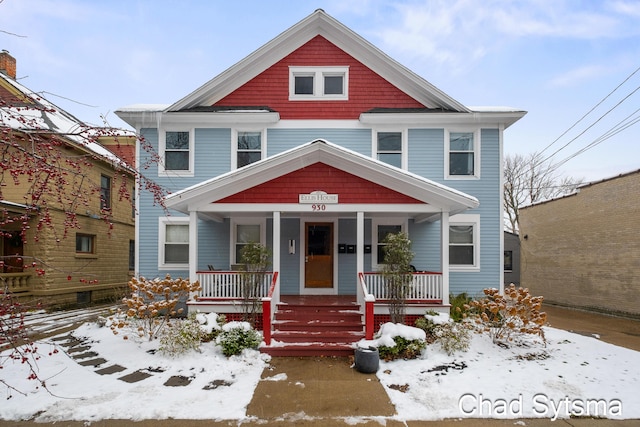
x=583 y=250
x=40 y=258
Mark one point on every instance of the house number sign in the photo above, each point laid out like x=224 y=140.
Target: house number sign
x=318 y=200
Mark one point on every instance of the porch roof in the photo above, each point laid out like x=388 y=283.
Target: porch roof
x=434 y=197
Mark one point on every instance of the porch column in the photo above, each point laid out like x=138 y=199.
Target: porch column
x=360 y=242
x=276 y=242
x=444 y=258
x=193 y=246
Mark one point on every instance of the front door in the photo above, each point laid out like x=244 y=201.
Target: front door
x=318 y=271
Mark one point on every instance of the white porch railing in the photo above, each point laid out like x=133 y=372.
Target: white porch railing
x=425 y=286
x=228 y=284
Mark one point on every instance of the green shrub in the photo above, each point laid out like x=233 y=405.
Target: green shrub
x=459 y=306
x=236 y=336
x=403 y=349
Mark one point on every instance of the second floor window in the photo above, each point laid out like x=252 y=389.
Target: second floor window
x=389 y=148
x=462 y=154
x=105 y=192
x=249 y=148
x=176 y=151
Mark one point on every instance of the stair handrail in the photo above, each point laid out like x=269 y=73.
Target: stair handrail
x=366 y=301
x=269 y=305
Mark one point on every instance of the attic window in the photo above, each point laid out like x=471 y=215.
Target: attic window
x=318 y=83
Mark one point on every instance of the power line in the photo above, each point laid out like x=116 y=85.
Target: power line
x=587 y=113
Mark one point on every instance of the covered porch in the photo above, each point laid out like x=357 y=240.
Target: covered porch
x=330 y=191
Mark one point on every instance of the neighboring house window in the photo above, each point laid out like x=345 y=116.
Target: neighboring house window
x=174 y=242
x=463 y=154
x=508 y=260
x=249 y=148
x=105 y=192
x=318 y=83
x=389 y=148
x=464 y=241
x=85 y=243
x=132 y=255
x=177 y=147
x=380 y=232
x=245 y=232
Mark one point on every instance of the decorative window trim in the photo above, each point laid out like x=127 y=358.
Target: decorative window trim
x=468 y=220
x=234 y=144
x=318 y=74
x=162 y=237
x=404 y=156
x=262 y=222
x=375 y=223
x=162 y=144
x=476 y=153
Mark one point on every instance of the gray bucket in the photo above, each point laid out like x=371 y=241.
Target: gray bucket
x=367 y=360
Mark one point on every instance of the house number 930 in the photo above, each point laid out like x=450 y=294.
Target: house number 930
x=318 y=207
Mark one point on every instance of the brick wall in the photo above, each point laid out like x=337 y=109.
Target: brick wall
x=584 y=250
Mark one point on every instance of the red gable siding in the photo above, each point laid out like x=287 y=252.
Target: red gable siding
x=367 y=89
x=319 y=176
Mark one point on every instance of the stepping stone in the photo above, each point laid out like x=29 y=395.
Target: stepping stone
x=71 y=343
x=79 y=349
x=135 y=377
x=216 y=383
x=62 y=338
x=110 y=370
x=93 y=362
x=85 y=355
x=178 y=381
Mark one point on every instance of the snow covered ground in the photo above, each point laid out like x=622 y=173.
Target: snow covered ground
x=572 y=375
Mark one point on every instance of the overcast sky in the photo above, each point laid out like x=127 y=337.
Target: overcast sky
x=556 y=59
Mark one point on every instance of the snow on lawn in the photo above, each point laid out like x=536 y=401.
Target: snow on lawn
x=221 y=387
x=572 y=373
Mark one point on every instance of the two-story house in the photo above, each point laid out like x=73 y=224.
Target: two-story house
x=66 y=231
x=318 y=145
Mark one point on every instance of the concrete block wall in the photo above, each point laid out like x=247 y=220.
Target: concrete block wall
x=583 y=250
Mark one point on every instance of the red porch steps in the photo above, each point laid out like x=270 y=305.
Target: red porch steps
x=316 y=326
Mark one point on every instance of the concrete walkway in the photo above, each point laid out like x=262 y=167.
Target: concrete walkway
x=328 y=392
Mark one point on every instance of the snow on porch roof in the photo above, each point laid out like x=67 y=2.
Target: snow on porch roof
x=430 y=192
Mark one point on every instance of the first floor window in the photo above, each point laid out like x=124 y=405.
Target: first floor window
x=245 y=234
x=382 y=231
x=508 y=260
x=132 y=255
x=462 y=153
x=85 y=243
x=174 y=235
x=461 y=245
x=249 y=148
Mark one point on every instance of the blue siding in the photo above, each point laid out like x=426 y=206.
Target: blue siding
x=290 y=263
x=426 y=153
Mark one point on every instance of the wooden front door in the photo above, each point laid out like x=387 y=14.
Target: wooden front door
x=318 y=270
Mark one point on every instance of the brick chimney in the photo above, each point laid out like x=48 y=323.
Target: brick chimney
x=7 y=64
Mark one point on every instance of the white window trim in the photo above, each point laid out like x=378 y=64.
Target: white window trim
x=234 y=144
x=162 y=143
x=476 y=154
x=375 y=222
x=318 y=82
x=162 y=235
x=404 y=155
x=474 y=221
x=262 y=222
